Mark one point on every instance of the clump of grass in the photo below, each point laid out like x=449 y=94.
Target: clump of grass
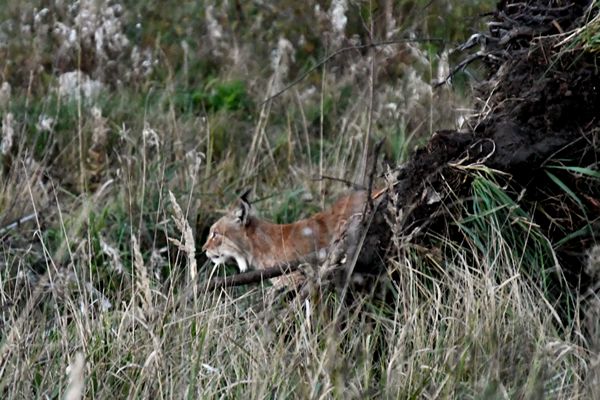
x=586 y=37
x=96 y=278
x=460 y=332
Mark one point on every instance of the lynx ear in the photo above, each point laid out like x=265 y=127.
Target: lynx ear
x=242 y=212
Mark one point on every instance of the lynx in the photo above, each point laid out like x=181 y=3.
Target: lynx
x=242 y=237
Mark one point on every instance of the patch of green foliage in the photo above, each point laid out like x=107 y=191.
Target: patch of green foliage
x=468 y=324
x=216 y=96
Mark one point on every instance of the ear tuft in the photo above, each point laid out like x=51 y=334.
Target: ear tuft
x=244 y=196
x=242 y=212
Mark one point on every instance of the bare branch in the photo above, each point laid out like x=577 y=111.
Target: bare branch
x=348 y=183
x=255 y=276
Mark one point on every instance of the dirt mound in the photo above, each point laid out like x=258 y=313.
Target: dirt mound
x=538 y=126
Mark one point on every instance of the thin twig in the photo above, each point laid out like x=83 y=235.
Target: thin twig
x=348 y=183
x=17 y=223
x=343 y=50
x=369 y=203
x=365 y=154
x=460 y=67
x=498 y=55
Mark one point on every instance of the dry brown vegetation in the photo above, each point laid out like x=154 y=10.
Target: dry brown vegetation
x=128 y=126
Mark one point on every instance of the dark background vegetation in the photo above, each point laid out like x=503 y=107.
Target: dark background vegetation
x=127 y=128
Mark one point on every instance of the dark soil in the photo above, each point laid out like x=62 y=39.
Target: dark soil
x=539 y=107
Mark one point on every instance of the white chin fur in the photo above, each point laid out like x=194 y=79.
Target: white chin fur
x=221 y=259
x=217 y=260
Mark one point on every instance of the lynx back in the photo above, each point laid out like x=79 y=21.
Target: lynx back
x=242 y=237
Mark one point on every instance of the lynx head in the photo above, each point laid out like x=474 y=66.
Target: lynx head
x=227 y=238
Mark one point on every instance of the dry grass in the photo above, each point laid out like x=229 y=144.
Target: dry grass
x=470 y=330
x=105 y=187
